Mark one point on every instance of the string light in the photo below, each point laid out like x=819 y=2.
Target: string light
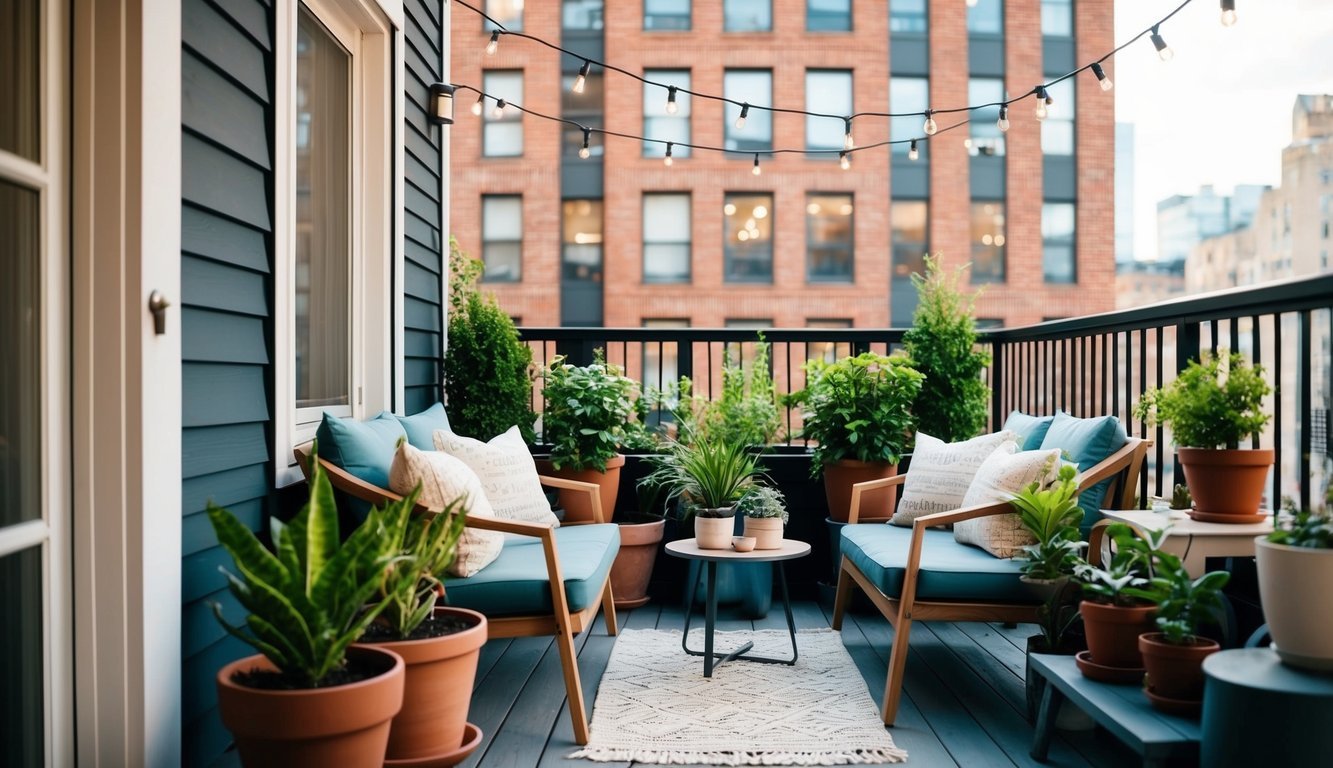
x=844 y=160
x=667 y=160
x=930 y=126
x=671 y=107
x=847 y=141
x=1100 y=74
x=499 y=110
x=756 y=170
x=1042 y=100
x=745 y=112
x=1164 y=51
x=477 y=105
x=1228 y=13
x=912 y=154
x=582 y=80
x=494 y=44
x=1003 y=122
x=584 y=151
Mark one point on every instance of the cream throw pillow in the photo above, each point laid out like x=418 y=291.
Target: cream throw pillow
x=1003 y=474
x=508 y=474
x=941 y=472
x=444 y=479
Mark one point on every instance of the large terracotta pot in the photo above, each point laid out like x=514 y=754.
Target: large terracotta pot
x=1293 y=587
x=713 y=532
x=1113 y=632
x=1175 y=672
x=840 y=476
x=344 y=725
x=767 y=531
x=578 y=509
x=633 y=567
x=438 y=688
x=1227 y=485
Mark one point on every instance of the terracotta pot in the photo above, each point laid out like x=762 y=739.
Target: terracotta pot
x=634 y=562
x=344 y=725
x=438 y=688
x=713 y=532
x=1226 y=483
x=578 y=508
x=1113 y=632
x=840 y=476
x=1175 y=671
x=767 y=531
x=1293 y=587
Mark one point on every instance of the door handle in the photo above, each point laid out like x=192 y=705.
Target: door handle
x=157 y=304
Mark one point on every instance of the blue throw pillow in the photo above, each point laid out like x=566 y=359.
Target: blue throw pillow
x=1086 y=442
x=420 y=427
x=363 y=448
x=1032 y=428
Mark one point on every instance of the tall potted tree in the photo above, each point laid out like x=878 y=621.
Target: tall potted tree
x=308 y=700
x=1295 y=570
x=1211 y=408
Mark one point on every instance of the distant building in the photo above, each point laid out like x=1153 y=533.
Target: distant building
x=1185 y=220
x=1124 y=193
x=1147 y=282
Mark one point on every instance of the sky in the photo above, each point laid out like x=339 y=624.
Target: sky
x=1220 y=111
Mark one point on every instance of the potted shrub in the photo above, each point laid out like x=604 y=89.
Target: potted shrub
x=1173 y=656
x=1211 y=408
x=708 y=477
x=439 y=645
x=765 y=514
x=858 y=412
x=1119 y=605
x=590 y=412
x=942 y=342
x=308 y=700
x=1295 y=566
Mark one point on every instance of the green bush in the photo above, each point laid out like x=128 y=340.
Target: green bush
x=745 y=413
x=942 y=343
x=487 y=369
x=1210 y=405
x=590 y=412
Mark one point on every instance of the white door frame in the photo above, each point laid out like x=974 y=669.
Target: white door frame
x=126 y=381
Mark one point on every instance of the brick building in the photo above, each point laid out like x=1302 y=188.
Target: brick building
x=620 y=239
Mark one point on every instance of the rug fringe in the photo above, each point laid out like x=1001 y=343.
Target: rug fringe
x=846 y=757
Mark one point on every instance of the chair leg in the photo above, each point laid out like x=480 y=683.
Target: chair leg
x=893 y=688
x=843 y=596
x=609 y=610
x=569 y=662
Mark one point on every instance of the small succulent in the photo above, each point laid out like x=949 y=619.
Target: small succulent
x=1181 y=498
x=763 y=501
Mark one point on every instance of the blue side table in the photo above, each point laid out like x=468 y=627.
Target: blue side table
x=1259 y=711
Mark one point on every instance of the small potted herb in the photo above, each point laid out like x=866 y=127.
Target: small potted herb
x=707 y=477
x=1295 y=565
x=765 y=513
x=1119 y=604
x=1173 y=656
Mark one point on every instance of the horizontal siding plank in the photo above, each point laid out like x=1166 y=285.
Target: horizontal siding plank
x=423 y=231
x=421 y=315
x=423 y=149
x=421 y=283
x=422 y=178
x=419 y=203
x=424 y=257
x=200 y=627
x=220 y=337
x=420 y=343
x=250 y=16
x=205 y=450
x=224 y=488
x=216 y=39
x=422 y=27
x=216 y=108
x=429 y=11
x=214 y=394
x=417 y=399
x=199 y=691
x=197 y=532
x=210 y=178
x=415 y=115
x=206 y=283
x=422 y=64
x=207 y=744
x=418 y=371
x=200 y=576
x=204 y=234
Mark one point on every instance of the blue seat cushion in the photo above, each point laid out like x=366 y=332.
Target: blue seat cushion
x=949 y=570
x=516 y=583
x=1032 y=428
x=1087 y=442
x=420 y=427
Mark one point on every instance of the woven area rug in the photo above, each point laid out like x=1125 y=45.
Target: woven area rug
x=655 y=706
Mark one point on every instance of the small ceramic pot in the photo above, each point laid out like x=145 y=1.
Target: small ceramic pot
x=742 y=543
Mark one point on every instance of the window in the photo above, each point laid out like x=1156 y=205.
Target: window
x=828 y=15
x=986 y=137
x=581 y=240
x=908 y=94
x=502 y=237
x=908 y=238
x=828 y=238
x=657 y=122
x=988 y=241
x=1058 y=264
x=1057 y=130
x=986 y=18
x=747 y=15
x=743 y=352
x=585 y=109
x=748 y=86
x=1057 y=18
x=507 y=12
x=661 y=363
x=749 y=238
x=666 y=14
x=907 y=16
x=828 y=351
x=581 y=15
x=666 y=238
x=828 y=91
x=502 y=135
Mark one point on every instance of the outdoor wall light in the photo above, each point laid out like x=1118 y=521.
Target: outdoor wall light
x=442 y=103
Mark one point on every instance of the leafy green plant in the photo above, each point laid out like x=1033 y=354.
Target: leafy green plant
x=425 y=545
x=763 y=501
x=746 y=413
x=590 y=412
x=858 y=408
x=1052 y=516
x=1186 y=604
x=1128 y=579
x=308 y=601
x=942 y=342
x=1304 y=528
x=1213 y=404
x=1181 y=498
x=487 y=369
x=708 y=476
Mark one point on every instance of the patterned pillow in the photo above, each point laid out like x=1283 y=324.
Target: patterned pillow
x=1003 y=474
x=508 y=474
x=443 y=479
x=941 y=472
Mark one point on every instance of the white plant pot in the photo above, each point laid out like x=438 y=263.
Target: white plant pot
x=713 y=532
x=767 y=531
x=1293 y=584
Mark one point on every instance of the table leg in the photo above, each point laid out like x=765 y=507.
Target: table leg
x=689 y=611
x=786 y=606
x=710 y=617
x=1051 y=699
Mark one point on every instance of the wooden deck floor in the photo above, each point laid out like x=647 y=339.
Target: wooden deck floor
x=963 y=704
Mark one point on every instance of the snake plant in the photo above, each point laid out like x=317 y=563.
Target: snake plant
x=426 y=545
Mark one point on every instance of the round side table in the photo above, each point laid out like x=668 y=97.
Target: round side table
x=1259 y=711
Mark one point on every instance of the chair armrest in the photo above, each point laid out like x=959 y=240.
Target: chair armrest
x=854 y=514
x=538 y=530
x=593 y=491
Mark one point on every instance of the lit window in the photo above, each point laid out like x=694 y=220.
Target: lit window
x=986 y=138
x=503 y=133
x=666 y=238
x=907 y=220
x=661 y=361
x=749 y=238
x=1058 y=264
x=660 y=124
x=907 y=16
x=908 y=94
x=508 y=13
x=581 y=14
x=828 y=233
x=747 y=15
x=748 y=86
x=988 y=241
x=986 y=18
x=502 y=237
x=585 y=109
x=743 y=352
x=1057 y=130
x=828 y=351
x=828 y=91
x=828 y=15
x=666 y=15
x=1057 y=18
x=581 y=242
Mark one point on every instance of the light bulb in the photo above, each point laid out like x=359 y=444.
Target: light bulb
x=930 y=127
x=745 y=112
x=499 y=110
x=476 y=105
x=912 y=154
x=667 y=160
x=1164 y=51
x=584 y=152
x=582 y=79
x=1042 y=101
x=494 y=44
x=1003 y=122
x=971 y=3
x=1102 y=79
x=847 y=141
x=671 y=107
x=1228 y=13
x=756 y=170
x=844 y=160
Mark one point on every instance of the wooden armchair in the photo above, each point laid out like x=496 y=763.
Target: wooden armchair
x=564 y=606
x=923 y=574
